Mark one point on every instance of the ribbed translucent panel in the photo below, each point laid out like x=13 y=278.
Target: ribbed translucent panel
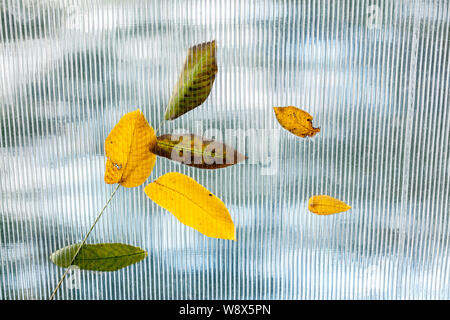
x=373 y=74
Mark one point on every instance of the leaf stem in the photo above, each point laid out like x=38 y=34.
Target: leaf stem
x=82 y=243
x=159 y=126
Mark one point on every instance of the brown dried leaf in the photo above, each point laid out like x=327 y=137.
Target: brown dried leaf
x=297 y=121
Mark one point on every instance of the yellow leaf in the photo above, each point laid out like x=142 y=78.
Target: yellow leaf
x=297 y=121
x=127 y=147
x=192 y=204
x=196 y=151
x=324 y=205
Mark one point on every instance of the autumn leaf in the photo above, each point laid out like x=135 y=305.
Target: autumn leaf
x=192 y=204
x=195 y=81
x=324 y=205
x=99 y=257
x=196 y=151
x=297 y=121
x=127 y=147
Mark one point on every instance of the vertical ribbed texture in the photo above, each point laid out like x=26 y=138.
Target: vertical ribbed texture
x=373 y=74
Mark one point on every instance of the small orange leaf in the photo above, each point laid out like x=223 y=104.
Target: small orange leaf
x=192 y=204
x=324 y=205
x=297 y=121
x=127 y=147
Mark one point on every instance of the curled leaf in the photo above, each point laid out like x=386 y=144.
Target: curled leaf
x=195 y=81
x=192 y=204
x=324 y=205
x=196 y=151
x=99 y=257
x=297 y=121
x=127 y=147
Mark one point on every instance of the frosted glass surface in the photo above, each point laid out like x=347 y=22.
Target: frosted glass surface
x=373 y=74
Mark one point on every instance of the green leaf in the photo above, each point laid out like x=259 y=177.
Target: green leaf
x=196 y=151
x=195 y=81
x=99 y=257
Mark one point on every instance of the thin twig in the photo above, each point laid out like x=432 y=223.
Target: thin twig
x=82 y=243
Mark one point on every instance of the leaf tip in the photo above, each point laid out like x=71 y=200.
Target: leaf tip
x=127 y=149
x=195 y=81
